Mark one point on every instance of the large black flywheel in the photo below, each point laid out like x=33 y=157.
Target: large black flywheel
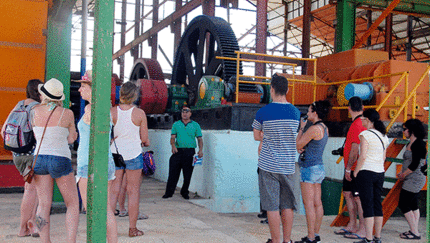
x=205 y=38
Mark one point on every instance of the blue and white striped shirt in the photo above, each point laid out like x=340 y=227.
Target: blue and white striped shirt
x=279 y=123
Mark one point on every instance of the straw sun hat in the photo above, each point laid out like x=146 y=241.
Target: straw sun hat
x=87 y=78
x=52 y=90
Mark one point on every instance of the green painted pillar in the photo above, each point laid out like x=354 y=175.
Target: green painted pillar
x=100 y=121
x=345 y=27
x=58 y=48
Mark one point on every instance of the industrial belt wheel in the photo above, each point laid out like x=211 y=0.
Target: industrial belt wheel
x=205 y=38
x=144 y=68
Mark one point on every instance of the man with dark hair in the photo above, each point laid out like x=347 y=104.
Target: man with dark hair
x=277 y=123
x=183 y=141
x=350 y=153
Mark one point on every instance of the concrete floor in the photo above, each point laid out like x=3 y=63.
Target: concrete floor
x=177 y=220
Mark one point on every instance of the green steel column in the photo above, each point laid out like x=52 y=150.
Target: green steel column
x=100 y=127
x=58 y=48
x=345 y=27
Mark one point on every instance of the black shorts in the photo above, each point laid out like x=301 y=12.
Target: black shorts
x=350 y=186
x=408 y=201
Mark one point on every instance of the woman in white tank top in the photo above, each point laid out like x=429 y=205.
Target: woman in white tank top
x=130 y=134
x=54 y=158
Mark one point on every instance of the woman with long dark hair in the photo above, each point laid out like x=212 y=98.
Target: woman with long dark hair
x=22 y=161
x=370 y=173
x=413 y=179
x=311 y=143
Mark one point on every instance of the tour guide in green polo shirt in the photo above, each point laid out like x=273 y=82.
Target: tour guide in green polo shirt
x=183 y=141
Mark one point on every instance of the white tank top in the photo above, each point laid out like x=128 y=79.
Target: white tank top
x=127 y=135
x=55 y=140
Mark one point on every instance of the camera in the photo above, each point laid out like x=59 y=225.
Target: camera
x=338 y=151
x=302 y=156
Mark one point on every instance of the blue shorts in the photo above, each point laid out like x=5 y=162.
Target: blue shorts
x=312 y=174
x=133 y=164
x=56 y=166
x=82 y=170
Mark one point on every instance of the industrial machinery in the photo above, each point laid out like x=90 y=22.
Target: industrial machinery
x=208 y=83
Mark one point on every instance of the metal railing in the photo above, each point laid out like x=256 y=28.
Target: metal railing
x=238 y=59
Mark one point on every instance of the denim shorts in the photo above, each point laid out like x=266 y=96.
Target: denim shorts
x=56 y=166
x=312 y=174
x=82 y=170
x=133 y=164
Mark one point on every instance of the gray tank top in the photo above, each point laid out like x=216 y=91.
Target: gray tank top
x=314 y=151
x=415 y=181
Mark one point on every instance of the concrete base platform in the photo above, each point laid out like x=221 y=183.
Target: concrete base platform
x=177 y=220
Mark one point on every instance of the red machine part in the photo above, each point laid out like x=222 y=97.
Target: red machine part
x=153 y=96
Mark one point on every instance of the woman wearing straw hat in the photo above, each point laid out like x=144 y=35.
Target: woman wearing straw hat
x=54 y=129
x=83 y=153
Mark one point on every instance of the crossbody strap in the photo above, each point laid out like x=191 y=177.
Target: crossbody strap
x=378 y=137
x=113 y=137
x=43 y=134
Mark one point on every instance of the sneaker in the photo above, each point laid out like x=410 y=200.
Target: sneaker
x=376 y=239
x=262 y=215
x=318 y=239
x=306 y=240
x=166 y=196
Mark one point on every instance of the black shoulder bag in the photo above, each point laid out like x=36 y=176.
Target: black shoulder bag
x=117 y=158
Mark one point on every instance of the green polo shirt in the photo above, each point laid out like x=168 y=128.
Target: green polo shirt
x=186 y=134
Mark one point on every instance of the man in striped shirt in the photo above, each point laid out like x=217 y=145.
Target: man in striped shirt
x=276 y=126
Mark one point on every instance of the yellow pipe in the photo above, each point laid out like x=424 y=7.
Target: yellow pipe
x=253 y=82
x=391 y=91
x=259 y=61
x=366 y=107
x=315 y=79
x=405 y=111
x=414 y=104
x=413 y=92
x=283 y=57
x=237 y=78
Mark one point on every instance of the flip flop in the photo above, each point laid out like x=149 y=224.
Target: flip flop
x=409 y=236
x=354 y=236
x=142 y=216
x=342 y=232
x=24 y=235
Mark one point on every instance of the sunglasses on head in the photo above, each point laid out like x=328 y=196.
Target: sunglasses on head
x=404 y=129
x=186 y=110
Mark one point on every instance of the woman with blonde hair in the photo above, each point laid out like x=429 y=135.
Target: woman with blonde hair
x=83 y=156
x=130 y=133
x=54 y=129
x=22 y=161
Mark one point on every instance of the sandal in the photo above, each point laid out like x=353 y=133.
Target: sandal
x=123 y=213
x=116 y=212
x=133 y=232
x=408 y=235
x=142 y=216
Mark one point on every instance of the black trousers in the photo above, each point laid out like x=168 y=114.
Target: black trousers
x=182 y=160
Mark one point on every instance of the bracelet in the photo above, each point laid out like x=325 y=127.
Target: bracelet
x=347 y=171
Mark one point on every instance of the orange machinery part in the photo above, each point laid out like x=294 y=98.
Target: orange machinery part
x=22 y=51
